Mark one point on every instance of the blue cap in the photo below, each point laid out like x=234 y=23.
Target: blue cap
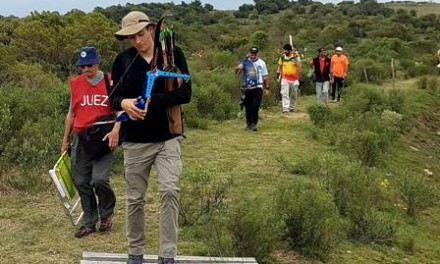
x=87 y=56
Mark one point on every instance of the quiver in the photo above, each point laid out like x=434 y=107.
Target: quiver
x=174 y=112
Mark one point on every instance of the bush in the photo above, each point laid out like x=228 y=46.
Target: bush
x=30 y=152
x=396 y=100
x=423 y=83
x=32 y=108
x=311 y=217
x=204 y=196
x=362 y=196
x=319 y=114
x=375 y=226
x=368 y=137
x=192 y=118
x=254 y=226
x=213 y=103
x=365 y=98
x=416 y=192
x=371 y=71
x=433 y=84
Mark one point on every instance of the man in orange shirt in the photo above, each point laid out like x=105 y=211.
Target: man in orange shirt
x=338 y=69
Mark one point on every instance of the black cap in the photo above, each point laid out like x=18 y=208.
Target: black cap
x=321 y=50
x=253 y=50
x=288 y=47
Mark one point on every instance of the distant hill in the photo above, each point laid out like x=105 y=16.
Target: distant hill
x=421 y=8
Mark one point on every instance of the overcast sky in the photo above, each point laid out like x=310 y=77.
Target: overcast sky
x=23 y=8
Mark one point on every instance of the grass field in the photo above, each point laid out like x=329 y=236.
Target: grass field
x=34 y=228
x=421 y=9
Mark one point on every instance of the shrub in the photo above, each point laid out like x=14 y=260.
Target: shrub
x=30 y=152
x=423 y=83
x=396 y=100
x=254 y=226
x=311 y=218
x=319 y=114
x=192 y=118
x=367 y=99
x=367 y=137
x=204 y=195
x=433 y=84
x=416 y=192
x=213 y=103
x=363 y=196
x=224 y=58
x=5 y=126
x=375 y=226
x=371 y=71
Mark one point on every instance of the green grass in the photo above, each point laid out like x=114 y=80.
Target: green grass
x=34 y=228
x=421 y=9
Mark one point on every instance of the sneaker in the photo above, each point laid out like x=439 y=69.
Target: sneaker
x=248 y=128
x=162 y=260
x=254 y=128
x=286 y=111
x=85 y=231
x=135 y=259
x=106 y=223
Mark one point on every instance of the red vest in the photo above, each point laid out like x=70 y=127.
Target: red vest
x=88 y=102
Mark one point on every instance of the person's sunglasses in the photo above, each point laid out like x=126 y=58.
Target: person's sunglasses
x=86 y=66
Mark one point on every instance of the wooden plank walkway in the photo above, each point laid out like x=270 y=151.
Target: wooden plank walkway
x=115 y=258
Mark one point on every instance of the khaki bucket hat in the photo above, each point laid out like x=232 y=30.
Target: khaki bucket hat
x=133 y=23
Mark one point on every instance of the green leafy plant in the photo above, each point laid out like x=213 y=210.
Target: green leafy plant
x=204 y=196
x=313 y=225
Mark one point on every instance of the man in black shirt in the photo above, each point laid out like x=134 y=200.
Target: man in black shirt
x=321 y=71
x=146 y=136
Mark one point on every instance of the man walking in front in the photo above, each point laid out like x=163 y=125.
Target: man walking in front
x=255 y=80
x=146 y=137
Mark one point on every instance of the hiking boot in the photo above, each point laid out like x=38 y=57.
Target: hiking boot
x=106 y=223
x=162 y=260
x=135 y=259
x=85 y=231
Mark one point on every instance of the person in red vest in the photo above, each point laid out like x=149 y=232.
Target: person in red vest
x=89 y=102
x=320 y=66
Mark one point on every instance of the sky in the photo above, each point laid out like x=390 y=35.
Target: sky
x=22 y=8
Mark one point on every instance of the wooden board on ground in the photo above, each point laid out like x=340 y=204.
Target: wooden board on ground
x=115 y=258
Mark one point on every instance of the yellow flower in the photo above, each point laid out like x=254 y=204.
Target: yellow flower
x=385 y=183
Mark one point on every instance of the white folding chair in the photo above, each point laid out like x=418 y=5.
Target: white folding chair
x=61 y=176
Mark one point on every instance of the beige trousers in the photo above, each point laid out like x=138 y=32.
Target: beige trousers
x=138 y=160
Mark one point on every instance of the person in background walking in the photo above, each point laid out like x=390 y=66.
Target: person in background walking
x=338 y=70
x=288 y=70
x=320 y=66
x=255 y=81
